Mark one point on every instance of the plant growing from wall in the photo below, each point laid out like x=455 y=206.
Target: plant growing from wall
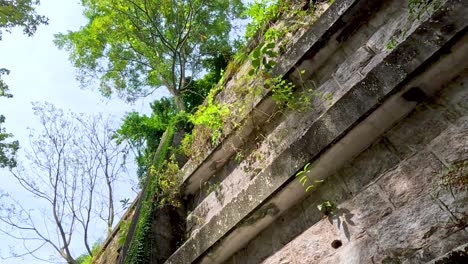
x=304 y=178
x=123 y=230
x=262 y=12
x=208 y=120
x=262 y=59
x=212 y=118
x=327 y=208
x=416 y=8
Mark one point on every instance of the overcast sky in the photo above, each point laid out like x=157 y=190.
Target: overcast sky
x=41 y=72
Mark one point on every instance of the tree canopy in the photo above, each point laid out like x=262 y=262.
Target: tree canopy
x=136 y=46
x=20 y=13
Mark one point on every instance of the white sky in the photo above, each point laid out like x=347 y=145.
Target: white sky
x=41 y=72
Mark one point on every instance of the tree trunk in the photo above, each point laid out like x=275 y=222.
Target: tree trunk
x=179 y=101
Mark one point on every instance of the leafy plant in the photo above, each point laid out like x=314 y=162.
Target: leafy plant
x=304 y=178
x=392 y=43
x=213 y=187
x=261 y=12
x=210 y=115
x=262 y=58
x=239 y=157
x=125 y=203
x=123 y=231
x=168 y=182
x=88 y=259
x=8 y=149
x=327 y=208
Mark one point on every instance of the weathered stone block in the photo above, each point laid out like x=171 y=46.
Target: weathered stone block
x=363 y=211
x=360 y=171
x=417 y=131
x=411 y=179
x=452 y=144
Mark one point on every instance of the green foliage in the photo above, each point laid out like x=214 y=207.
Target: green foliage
x=209 y=120
x=138 y=46
x=304 y=178
x=213 y=187
x=88 y=259
x=143 y=132
x=123 y=231
x=20 y=13
x=239 y=157
x=168 y=181
x=125 y=203
x=327 y=208
x=392 y=43
x=4 y=91
x=211 y=115
x=8 y=149
x=283 y=91
x=262 y=58
x=261 y=12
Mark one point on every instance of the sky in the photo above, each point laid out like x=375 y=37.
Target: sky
x=42 y=72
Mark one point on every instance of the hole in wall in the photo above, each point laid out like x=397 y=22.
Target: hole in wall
x=336 y=244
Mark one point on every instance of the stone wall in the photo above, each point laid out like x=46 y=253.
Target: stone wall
x=384 y=141
x=109 y=251
x=389 y=210
x=387 y=123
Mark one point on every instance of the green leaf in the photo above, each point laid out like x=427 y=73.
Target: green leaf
x=270 y=45
x=271 y=64
x=256 y=63
x=272 y=54
x=256 y=53
x=303 y=180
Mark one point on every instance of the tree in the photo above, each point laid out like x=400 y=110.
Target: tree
x=142 y=133
x=73 y=165
x=20 y=13
x=14 y=13
x=137 y=46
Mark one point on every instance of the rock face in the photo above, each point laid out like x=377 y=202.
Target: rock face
x=384 y=144
x=168 y=225
x=396 y=207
